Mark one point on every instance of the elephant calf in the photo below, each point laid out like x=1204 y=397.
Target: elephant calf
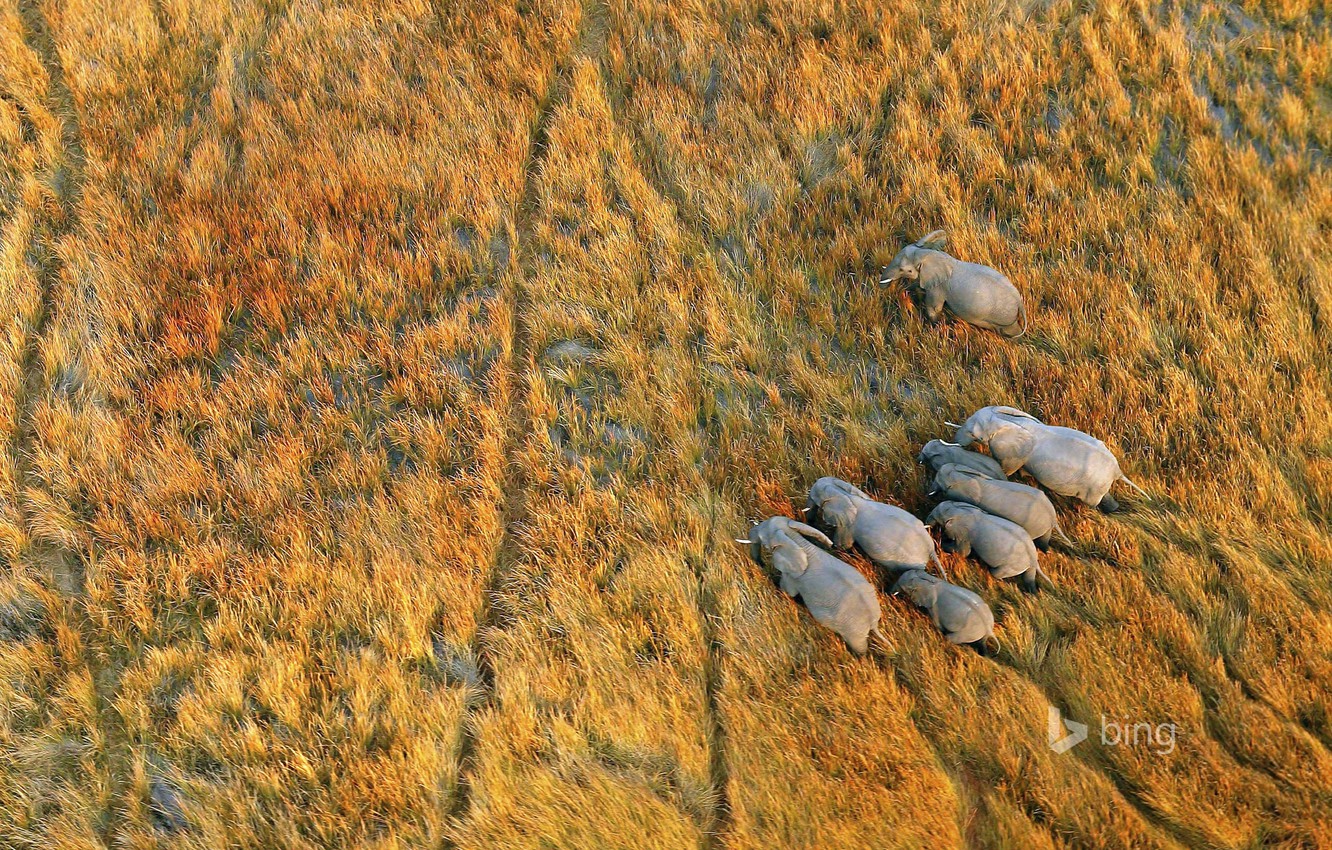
x=1063 y=460
x=937 y=453
x=1026 y=506
x=1004 y=547
x=888 y=535
x=961 y=615
x=974 y=293
x=835 y=593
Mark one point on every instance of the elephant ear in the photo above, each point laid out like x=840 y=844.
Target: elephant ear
x=1012 y=445
x=851 y=489
x=1013 y=411
x=933 y=239
x=789 y=558
x=957 y=545
x=810 y=532
x=841 y=515
x=925 y=594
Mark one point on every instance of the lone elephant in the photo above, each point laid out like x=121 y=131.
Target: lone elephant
x=976 y=294
x=1004 y=547
x=888 y=535
x=961 y=615
x=1063 y=460
x=835 y=593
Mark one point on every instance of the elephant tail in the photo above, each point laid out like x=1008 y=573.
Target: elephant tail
x=934 y=558
x=1141 y=491
x=877 y=639
x=986 y=642
x=1062 y=536
x=1042 y=574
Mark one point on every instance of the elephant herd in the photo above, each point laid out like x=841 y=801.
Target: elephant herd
x=1002 y=523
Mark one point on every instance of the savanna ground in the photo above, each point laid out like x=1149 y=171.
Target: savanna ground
x=381 y=386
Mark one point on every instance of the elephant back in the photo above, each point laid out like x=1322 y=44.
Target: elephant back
x=838 y=595
x=1069 y=463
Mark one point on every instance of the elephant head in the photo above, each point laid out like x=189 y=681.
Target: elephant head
x=946 y=515
x=932 y=450
x=906 y=265
x=945 y=512
x=835 y=503
x=1006 y=431
x=776 y=543
x=918 y=586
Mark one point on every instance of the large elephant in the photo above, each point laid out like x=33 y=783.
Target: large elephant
x=1004 y=547
x=937 y=453
x=961 y=615
x=974 y=293
x=1026 y=506
x=835 y=593
x=888 y=535
x=1063 y=460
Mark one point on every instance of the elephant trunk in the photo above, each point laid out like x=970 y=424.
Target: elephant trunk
x=935 y=558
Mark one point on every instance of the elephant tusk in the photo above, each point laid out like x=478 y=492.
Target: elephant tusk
x=746 y=542
x=951 y=445
x=804 y=510
x=951 y=425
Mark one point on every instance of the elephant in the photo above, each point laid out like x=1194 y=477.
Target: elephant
x=974 y=293
x=936 y=453
x=888 y=535
x=961 y=615
x=835 y=593
x=1003 y=546
x=1063 y=460
x=1026 y=506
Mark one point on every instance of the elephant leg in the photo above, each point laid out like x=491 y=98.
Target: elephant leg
x=1108 y=505
x=1043 y=542
x=1029 y=581
x=859 y=646
x=935 y=297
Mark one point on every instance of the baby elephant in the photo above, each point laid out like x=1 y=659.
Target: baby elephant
x=836 y=594
x=889 y=536
x=1063 y=460
x=1004 y=547
x=1026 y=506
x=937 y=453
x=961 y=615
x=974 y=293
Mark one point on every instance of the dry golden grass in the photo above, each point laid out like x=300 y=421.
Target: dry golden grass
x=382 y=387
